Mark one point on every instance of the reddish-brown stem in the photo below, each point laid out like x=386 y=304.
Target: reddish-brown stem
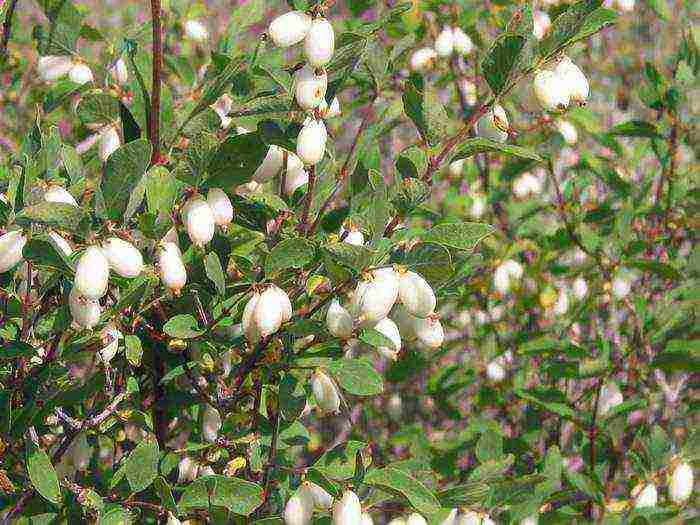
x=304 y=226
x=154 y=122
x=436 y=162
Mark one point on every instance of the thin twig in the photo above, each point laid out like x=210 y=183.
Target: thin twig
x=70 y=436
x=304 y=226
x=343 y=173
x=154 y=123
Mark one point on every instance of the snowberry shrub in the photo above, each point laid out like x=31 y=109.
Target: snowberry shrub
x=347 y=262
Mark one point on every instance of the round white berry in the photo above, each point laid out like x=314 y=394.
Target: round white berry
x=310 y=87
x=59 y=194
x=172 y=270
x=348 y=510
x=311 y=142
x=124 y=258
x=325 y=393
x=338 y=320
x=198 y=218
x=92 y=273
x=445 y=42
x=220 y=206
x=290 y=28
x=11 y=245
x=319 y=43
x=551 y=91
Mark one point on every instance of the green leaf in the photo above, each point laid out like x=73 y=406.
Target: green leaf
x=661 y=8
x=15 y=349
x=356 y=258
x=42 y=474
x=411 y=193
x=459 y=235
x=585 y=484
x=43 y=252
x=375 y=338
x=292 y=396
x=356 y=377
x=466 y=494
x=237 y=495
x=679 y=355
x=183 y=326
x=215 y=272
x=134 y=351
x=142 y=464
x=72 y=163
x=289 y=253
x=114 y=514
x=413 y=490
x=132 y=131
x=552 y=403
x=59 y=215
x=432 y=261
x=412 y=162
x=579 y=21
x=635 y=128
x=98 y=108
x=236 y=160
x=165 y=494
x=471 y=147
x=427 y=113
x=123 y=172
x=489 y=447
x=502 y=60
x=339 y=462
x=65 y=24
x=161 y=190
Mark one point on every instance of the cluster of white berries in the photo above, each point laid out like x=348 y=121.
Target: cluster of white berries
x=450 y=40
x=310 y=497
x=201 y=216
x=396 y=302
x=311 y=80
x=265 y=313
x=54 y=67
x=92 y=277
x=556 y=88
x=680 y=487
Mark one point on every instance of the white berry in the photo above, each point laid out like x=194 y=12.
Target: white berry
x=319 y=43
x=348 y=510
x=220 y=206
x=172 y=270
x=11 y=245
x=311 y=142
x=92 y=273
x=310 y=87
x=325 y=393
x=124 y=258
x=290 y=28
x=199 y=221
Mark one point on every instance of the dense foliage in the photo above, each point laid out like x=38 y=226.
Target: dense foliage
x=348 y=262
